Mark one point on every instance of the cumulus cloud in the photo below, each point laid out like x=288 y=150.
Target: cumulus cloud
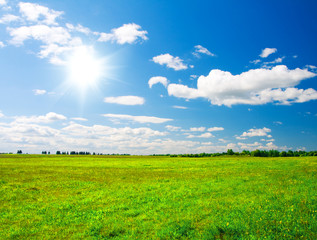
x=44 y=33
x=48 y=118
x=58 y=40
x=3 y=2
x=254 y=132
x=125 y=100
x=1 y=114
x=8 y=18
x=158 y=79
x=39 y=91
x=257 y=145
x=35 y=13
x=127 y=33
x=171 y=62
x=203 y=135
x=139 y=119
x=2 y=44
x=267 y=51
x=254 y=87
x=202 y=50
x=172 y=128
x=34 y=136
x=213 y=129
x=197 y=129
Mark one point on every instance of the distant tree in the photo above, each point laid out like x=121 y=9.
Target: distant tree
x=58 y=152
x=290 y=153
x=256 y=153
x=230 y=152
x=19 y=152
x=283 y=154
x=44 y=152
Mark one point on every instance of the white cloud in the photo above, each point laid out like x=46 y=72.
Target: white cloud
x=3 y=2
x=277 y=60
x=253 y=132
x=139 y=119
x=44 y=33
x=34 y=12
x=158 y=79
x=39 y=91
x=287 y=96
x=255 y=61
x=79 y=119
x=180 y=107
x=278 y=123
x=213 y=129
x=311 y=67
x=197 y=129
x=171 y=62
x=2 y=44
x=78 y=28
x=254 y=87
x=203 y=135
x=202 y=50
x=34 y=138
x=8 y=18
x=172 y=128
x=125 y=100
x=193 y=77
x=127 y=33
x=1 y=114
x=257 y=145
x=240 y=138
x=48 y=118
x=267 y=51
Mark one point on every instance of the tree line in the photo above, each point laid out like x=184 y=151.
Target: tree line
x=255 y=153
x=230 y=152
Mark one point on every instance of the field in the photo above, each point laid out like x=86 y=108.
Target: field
x=146 y=197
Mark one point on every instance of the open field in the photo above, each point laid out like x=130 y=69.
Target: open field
x=102 y=197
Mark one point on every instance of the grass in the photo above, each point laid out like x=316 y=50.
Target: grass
x=143 y=197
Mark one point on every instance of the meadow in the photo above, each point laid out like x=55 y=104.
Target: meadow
x=152 y=197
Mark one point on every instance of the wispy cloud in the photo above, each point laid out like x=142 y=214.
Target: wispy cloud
x=202 y=50
x=213 y=129
x=180 y=107
x=48 y=118
x=125 y=100
x=39 y=91
x=139 y=119
x=79 y=119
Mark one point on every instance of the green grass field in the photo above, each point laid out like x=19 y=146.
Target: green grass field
x=114 y=197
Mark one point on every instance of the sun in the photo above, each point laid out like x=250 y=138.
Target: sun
x=84 y=68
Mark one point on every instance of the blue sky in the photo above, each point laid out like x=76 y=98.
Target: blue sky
x=146 y=77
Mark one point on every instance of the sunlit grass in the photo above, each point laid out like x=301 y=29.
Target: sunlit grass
x=95 y=197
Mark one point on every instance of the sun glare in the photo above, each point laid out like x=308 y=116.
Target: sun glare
x=85 y=69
